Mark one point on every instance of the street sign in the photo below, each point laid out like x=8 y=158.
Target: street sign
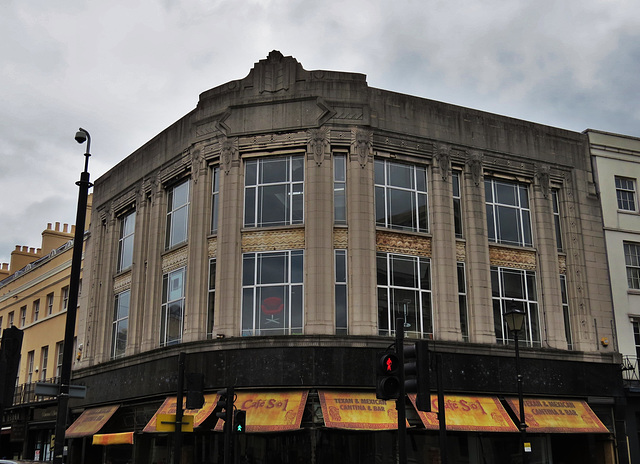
x=167 y=423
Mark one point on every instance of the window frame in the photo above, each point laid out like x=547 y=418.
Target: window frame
x=389 y=290
x=256 y=188
x=341 y=291
x=494 y=206
x=215 y=196
x=64 y=298
x=36 y=310
x=118 y=321
x=126 y=241
x=165 y=313
x=177 y=212
x=632 y=264
x=386 y=191
x=529 y=303
x=626 y=190
x=211 y=297
x=44 y=360
x=340 y=189
x=50 y=298
x=557 y=220
x=463 y=307
x=456 y=193
x=566 y=313
x=256 y=282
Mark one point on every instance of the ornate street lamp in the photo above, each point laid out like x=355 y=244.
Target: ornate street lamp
x=515 y=319
x=72 y=307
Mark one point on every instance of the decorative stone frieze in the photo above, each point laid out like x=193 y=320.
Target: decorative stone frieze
x=512 y=257
x=175 y=259
x=122 y=282
x=461 y=251
x=212 y=247
x=340 y=238
x=391 y=242
x=270 y=240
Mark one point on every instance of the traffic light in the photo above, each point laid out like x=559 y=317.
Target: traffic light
x=388 y=376
x=224 y=406
x=195 y=390
x=416 y=373
x=240 y=421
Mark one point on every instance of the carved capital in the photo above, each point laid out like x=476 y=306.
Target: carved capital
x=443 y=158
x=318 y=143
x=228 y=152
x=474 y=163
x=543 y=176
x=362 y=144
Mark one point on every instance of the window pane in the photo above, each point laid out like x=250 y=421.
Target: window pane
x=506 y=194
x=380 y=207
x=272 y=268
x=400 y=175
x=272 y=205
x=274 y=170
x=403 y=272
x=401 y=209
x=508 y=225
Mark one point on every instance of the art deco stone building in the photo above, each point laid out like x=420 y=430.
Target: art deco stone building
x=276 y=232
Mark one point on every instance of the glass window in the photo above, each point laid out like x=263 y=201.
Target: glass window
x=636 y=336
x=211 y=297
x=36 y=310
x=565 y=311
x=44 y=360
x=457 y=203
x=10 y=319
x=125 y=243
x=274 y=191
x=30 y=365
x=65 y=298
x=401 y=196
x=339 y=189
x=626 y=193
x=49 y=304
x=23 y=316
x=120 y=324
x=177 y=215
x=556 y=218
x=59 y=356
x=508 y=213
x=215 y=193
x=172 y=317
x=341 y=291
x=272 y=293
x=404 y=291
x=632 y=261
x=515 y=288
x=462 y=302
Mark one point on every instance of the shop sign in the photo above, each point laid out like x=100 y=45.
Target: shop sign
x=270 y=411
x=357 y=410
x=18 y=431
x=548 y=415
x=468 y=413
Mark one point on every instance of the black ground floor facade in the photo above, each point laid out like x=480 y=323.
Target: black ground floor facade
x=139 y=385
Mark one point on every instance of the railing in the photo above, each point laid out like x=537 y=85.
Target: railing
x=630 y=369
x=25 y=393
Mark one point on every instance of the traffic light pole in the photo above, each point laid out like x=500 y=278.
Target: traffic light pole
x=401 y=401
x=177 y=449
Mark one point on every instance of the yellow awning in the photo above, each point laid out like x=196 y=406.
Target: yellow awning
x=271 y=411
x=90 y=421
x=468 y=413
x=125 y=438
x=548 y=415
x=169 y=407
x=357 y=410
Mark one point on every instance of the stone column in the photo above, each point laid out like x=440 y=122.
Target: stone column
x=478 y=263
x=195 y=318
x=549 y=296
x=154 y=244
x=446 y=316
x=138 y=273
x=319 y=268
x=361 y=253
x=102 y=338
x=229 y=254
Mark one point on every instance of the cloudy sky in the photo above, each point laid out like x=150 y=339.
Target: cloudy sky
x=125 y=70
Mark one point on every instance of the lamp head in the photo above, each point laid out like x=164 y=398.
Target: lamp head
x=81 y=136
x=515 y=319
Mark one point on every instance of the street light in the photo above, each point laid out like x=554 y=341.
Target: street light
x=515 y=318
x=72 y=308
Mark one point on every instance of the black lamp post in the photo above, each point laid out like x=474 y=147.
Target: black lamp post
x=72 y=308
x=515 y=318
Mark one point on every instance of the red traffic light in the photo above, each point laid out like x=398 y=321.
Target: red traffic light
x=389 y=364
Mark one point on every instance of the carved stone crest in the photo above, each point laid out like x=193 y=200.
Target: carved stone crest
x=474 y=161
x=443 y=157
x=362 y=145
x=544 y=175
x=228 y=152
x=318 y=143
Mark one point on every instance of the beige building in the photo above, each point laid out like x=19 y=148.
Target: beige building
x=616 y=162
x=277 y=232
x=34 y=293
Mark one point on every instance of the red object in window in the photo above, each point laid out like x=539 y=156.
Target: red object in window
x=272 y=305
